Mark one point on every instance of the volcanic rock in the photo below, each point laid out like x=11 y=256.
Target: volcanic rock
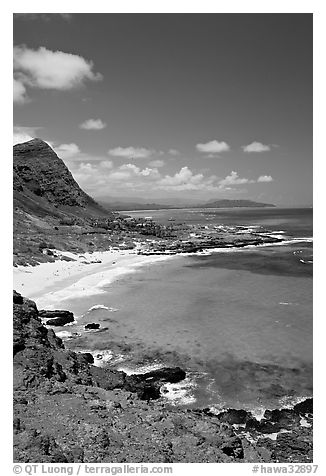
x=92 y=325
x=232 y=416
x=57 y=318
x=304 y=407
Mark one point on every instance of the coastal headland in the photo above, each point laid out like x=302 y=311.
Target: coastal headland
x=66 y=409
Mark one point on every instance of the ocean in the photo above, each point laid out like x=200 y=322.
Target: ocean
x=239 y=321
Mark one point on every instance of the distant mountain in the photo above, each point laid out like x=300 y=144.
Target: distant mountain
x=224 y=203
x=128 y=206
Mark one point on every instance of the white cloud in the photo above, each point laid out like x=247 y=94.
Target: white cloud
x=93 y=124
x=19 y=92
x=132 y=169
x=233 y=179
x=213 y=147
x=22 y=134
x=157 y=163
x=265 y=178
x=130 y=152
x=46 y=69
x=67 y=151
x=185 y=179
x=25 y=133
x=256 y=147
x=100 y=177
x=106 y=164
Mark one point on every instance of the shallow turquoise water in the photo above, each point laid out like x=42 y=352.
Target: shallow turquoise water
x=239 y=322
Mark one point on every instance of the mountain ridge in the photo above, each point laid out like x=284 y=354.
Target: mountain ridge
x=221 y=203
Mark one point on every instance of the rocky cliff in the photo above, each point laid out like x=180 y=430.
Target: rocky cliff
x=40 y=176
x=50 y=209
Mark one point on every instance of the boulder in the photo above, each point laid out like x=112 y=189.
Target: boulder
x=166 y=374
x=57 y=317
x=262 y=426
x=59 y=321
x=87 y=356
x=285 y=417
x=92 y=325
x=144 y=390
x=304 y=407
x=147 y=386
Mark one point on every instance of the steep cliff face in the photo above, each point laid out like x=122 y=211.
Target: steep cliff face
x=50 y=208
x=40 y=175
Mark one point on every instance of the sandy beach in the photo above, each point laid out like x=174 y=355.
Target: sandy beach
x=50 y=284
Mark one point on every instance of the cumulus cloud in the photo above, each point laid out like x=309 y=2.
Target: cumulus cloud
x=265 y=178
x=23 y=134
x=106 y=164
x=67 y=151
x=157 y=163
x=233 y=179
x=256 y=147
x=131 y=152
x=93 y=124
x=213 y=147
x=185 y=179
x=46 y=69
x=97 y=177
x=132 y=169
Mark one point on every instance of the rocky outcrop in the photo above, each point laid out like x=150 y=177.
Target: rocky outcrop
x=57 y=317
x=40 y=355
x=68 y=410
x=92 y=325
x=304 y=407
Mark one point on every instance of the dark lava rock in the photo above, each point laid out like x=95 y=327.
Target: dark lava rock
x=233 y=447
x=166 y=374
x=292 y=447
x=57 y=317
x=67 y=420
x=59 y=321
x=262 y=426
x=18 y=298
x=286 y=418
x=147 y=386
x=234 y=417
x=106 y=378
x=304 y=407
x=92 y=325
x=88 y=357
x=45 y=314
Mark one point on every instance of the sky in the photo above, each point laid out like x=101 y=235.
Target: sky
x=189 y=107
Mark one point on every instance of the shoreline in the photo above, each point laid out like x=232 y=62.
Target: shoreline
x=89 y=274
x=75 y=275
